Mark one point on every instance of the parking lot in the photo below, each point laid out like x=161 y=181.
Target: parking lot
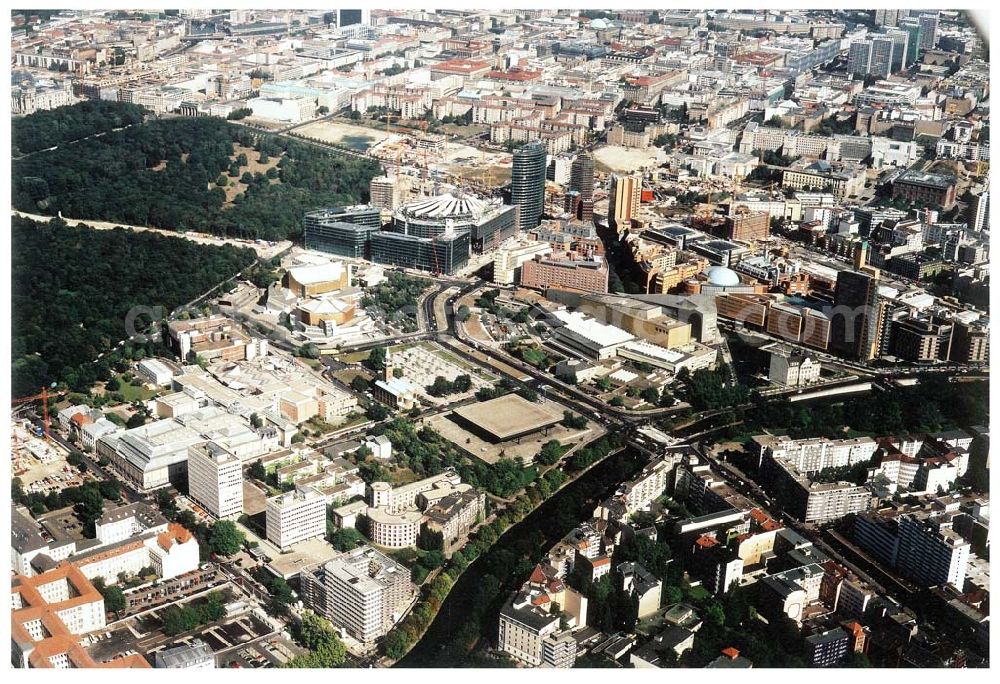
x=423 y=363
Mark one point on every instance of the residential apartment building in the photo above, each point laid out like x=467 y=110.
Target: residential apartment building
x=923 y=546
x=295 y=516
x=215 y=480
x=363 y=591
x=532 y=635
x=827 y=649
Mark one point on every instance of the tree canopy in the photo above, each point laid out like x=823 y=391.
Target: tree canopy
x=225 y=538
x=53 y=127
x=163 y=173
x=319 y=636
x=83 y=282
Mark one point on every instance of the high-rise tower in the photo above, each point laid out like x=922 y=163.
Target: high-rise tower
x=582 y=181
x=527 y=183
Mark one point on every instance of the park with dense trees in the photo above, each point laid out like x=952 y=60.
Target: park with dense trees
x=54 y=127
x=163 y=173
x=82 y=283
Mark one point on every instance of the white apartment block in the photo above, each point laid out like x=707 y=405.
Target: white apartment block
x=812 y=455
x=834 y=500
x=532 y=636
x=363 y=591
x=649 y=484
x=295 y=516
x=215 y=479
x=852 y=598
x=931 y=552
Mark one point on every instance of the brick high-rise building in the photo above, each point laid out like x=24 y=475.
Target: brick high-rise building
x=572 y=274
x=582 y=181
x=747 y=226
x=625 y=195
x=970 y=344
x=922 y=340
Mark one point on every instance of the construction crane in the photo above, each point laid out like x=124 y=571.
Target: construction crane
x=44 y=397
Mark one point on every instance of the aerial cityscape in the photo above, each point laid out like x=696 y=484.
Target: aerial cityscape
x=494 y=338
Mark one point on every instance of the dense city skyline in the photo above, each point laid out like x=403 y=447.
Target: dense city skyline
x=536 y=338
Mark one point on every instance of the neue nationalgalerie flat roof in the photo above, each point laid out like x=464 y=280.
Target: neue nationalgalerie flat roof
x=509 y=416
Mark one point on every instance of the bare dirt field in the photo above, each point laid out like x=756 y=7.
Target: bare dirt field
x=615 y=159
x=360 y=138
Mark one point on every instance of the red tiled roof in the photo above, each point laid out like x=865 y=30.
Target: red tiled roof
x=81 y=419
x=514 y=75
x=461 y=66
x=537 y=575
x=174 y=533
x=706 y=542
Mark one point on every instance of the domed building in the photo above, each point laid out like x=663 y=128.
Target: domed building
x=487 y=223
x=720 y=280
x=720 y=276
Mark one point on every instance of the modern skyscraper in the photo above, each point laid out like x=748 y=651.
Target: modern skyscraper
x=625 y=194
x=527 y=183
x=928 y=30
x=912 y=26
x=880 y=55
x=582 y=181
x=882 y=51
x=979 y=211
x=889 y=17
x=857 y=320
x=899 y=48
x=351 y=17
x=859 y=57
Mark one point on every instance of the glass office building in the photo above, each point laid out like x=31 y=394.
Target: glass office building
x=527 y=183
x=443 y=254
x=343 y=239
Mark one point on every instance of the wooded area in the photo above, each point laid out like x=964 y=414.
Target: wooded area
x=163 y=174
x=72 y=289
x=53 y=127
